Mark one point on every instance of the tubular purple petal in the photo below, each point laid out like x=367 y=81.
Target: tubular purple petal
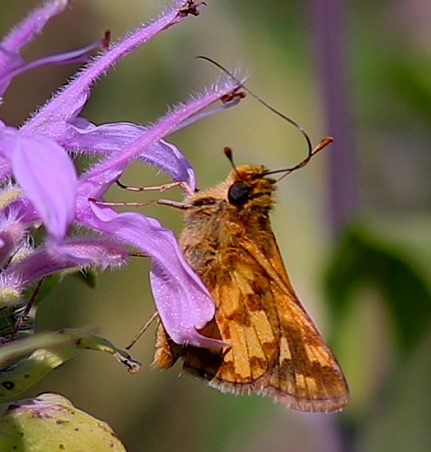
x=21 y=35
x=8 y=62
x=73 y=253
x=76 y=92
x=91 y=186
x=33 y=24
x=74 y=56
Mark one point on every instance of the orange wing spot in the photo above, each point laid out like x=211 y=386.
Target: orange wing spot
x=263 y=327
x=231 y=293
x=241 y=281
x=285 y=354
x=311 y=385
x=317 y=354
x=300 y=384
x=239 y=350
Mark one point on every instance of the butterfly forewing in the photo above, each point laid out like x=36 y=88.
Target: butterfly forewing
x=275 y=349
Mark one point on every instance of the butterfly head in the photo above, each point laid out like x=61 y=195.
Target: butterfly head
x=248 y=183
x=247 y=186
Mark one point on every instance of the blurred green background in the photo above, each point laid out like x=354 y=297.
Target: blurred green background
x=354 y=227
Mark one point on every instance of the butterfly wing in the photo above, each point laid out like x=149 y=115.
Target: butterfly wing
x=275 y=349
x=304 y=373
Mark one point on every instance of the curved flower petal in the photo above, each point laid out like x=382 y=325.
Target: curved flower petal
x=182 y=309
x=111 y=138
x=183 y=302
x=48 y=178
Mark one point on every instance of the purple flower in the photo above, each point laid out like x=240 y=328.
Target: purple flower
x=49 y=191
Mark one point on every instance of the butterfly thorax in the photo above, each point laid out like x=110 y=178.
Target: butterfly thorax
x=216 y=219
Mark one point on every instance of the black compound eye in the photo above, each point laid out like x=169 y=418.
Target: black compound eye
x=238 y=193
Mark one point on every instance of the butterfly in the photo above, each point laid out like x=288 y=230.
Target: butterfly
x=275 y=349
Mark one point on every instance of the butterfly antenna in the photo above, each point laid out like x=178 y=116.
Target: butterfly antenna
x=304 y=162
x=310 y=151
x=229 y=154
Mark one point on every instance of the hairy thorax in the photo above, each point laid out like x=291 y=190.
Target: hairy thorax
x=214 y=226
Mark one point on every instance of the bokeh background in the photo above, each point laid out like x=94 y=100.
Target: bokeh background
x=354 y=227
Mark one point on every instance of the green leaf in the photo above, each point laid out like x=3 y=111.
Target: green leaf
x=47 y=352
x=402 y=419
x=393 y=257
x=28 y=345
x=50 y=422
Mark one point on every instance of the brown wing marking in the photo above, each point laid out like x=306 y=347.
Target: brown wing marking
x=245 y=326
